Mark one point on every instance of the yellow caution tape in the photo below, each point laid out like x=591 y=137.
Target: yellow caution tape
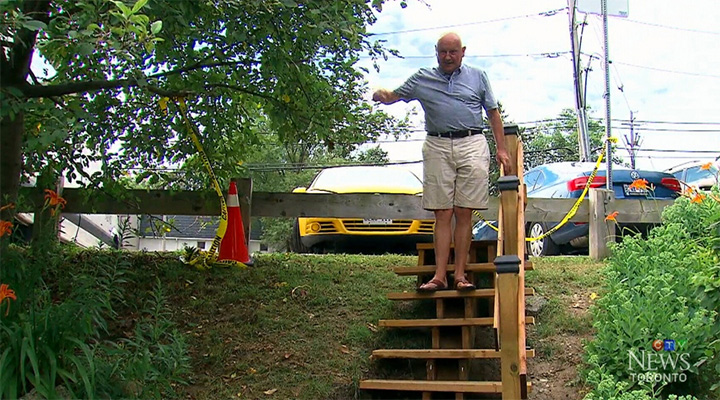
x=196 y=257
x=570 y=213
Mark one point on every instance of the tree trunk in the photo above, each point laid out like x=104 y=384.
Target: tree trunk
x=11 y=134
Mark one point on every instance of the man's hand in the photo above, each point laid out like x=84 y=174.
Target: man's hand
x=385 y=96
x=503 y=158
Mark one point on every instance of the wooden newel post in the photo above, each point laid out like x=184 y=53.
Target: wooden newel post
x=508 y=186
x=508 y=269
x=511 y=139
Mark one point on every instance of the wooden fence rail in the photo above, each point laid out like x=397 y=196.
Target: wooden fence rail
x=269 y=204
x=394 y=206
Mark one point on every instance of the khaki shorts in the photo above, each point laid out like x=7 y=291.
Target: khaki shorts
x=455 y=172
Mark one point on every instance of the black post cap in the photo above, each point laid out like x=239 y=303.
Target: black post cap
x=508 y=182
x=509 y=264
x=511 y=130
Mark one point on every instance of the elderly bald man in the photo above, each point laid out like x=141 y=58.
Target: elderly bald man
x=456 y=158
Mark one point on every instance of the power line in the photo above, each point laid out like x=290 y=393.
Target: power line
x=645 y=129
x=645 y=121
x=542 y=14
x=673 y=150
x=667 y=70
x=549 y=54
x=677 y=28
x=666 y=157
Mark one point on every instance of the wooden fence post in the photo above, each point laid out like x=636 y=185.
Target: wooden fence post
x=601 y=231
x=508 y=269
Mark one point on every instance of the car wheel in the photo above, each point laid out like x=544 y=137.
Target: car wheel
x=296 y=245
x=544 y=246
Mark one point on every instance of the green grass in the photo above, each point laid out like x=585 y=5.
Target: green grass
x=564 y=275
x=302 y=324
x=306 y=324
x=567 y=284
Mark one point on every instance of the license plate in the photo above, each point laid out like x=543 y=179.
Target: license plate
x=634 y=191
x=379 y=221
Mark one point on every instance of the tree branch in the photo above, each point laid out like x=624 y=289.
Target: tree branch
x=35 y=91
x=241 y=89
x=201 y=66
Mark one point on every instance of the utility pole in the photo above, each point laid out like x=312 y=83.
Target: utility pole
x=632 y=142
x=608 y=144
x=583 y=138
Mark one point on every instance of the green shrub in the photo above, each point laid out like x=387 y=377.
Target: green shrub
x=43 y=336
x=662 y=287
x=607 y=387
x=57 y=342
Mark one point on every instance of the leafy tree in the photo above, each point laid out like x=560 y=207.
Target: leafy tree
x=246 y=67
x=557 y=140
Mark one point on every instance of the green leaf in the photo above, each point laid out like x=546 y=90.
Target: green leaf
x=289 y=3
x=93 y=27
x=125 y=9
x=138 y=5
x=85 y=49
x=156 y=27
x=34 y=25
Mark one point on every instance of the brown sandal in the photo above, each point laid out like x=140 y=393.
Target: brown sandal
x=432 y=286
x=463 y=285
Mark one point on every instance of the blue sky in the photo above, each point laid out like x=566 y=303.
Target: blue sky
x=664 y=56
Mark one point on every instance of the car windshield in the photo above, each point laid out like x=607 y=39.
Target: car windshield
x=697 y=173
x=337 y=179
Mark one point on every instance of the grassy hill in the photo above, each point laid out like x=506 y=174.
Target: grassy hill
x=144 y=325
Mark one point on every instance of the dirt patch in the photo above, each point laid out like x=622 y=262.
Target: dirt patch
x=555 y=376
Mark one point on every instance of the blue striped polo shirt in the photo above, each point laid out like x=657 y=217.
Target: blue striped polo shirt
x=451 y=102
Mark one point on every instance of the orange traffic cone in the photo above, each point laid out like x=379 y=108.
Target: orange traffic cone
x=233 y=245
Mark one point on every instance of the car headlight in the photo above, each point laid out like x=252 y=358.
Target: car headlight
x=315 y=227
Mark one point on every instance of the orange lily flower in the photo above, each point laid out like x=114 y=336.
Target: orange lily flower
x=689 y=192
x=706 y=166
x=7 y=293
x=639 y=184
x=54 y=199
x=612 y=216
x=5 y=228
x=698 y=198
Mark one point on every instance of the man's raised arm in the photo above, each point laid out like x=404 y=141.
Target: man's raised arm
x=385 y=96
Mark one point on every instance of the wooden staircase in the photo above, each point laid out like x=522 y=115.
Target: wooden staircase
x=497 y=308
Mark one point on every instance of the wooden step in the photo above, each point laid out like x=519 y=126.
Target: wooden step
x=429 y=323
x=449 y=294
x=434 y=386
x=471 y=267
x=442 y=353
x=473 y=245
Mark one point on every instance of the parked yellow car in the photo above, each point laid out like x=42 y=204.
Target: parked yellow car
x=361 y=234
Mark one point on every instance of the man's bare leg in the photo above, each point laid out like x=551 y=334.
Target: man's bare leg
x=463 y=223
x=442 y=239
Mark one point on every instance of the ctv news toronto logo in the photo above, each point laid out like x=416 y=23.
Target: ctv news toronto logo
x=665 y=364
